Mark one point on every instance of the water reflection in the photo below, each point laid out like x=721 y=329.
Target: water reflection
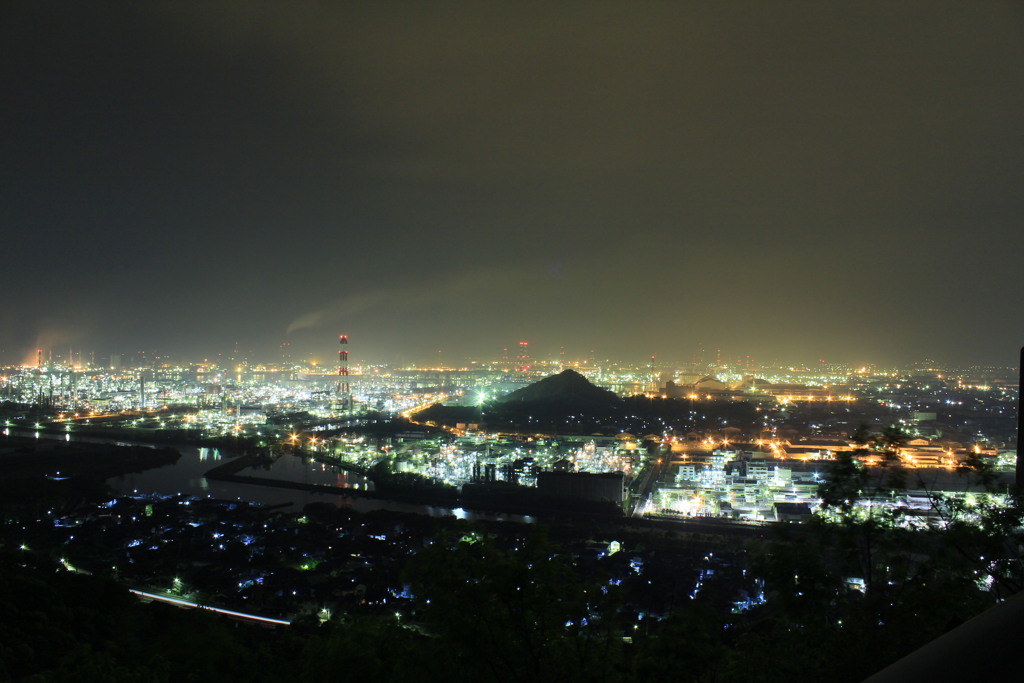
x=187 y=476
x=298 y=470
x=209 y=455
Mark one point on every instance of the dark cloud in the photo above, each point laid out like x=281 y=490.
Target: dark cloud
x=789 y=180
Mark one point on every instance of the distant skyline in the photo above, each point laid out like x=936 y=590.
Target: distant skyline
x=789 y=180
x=540 y=359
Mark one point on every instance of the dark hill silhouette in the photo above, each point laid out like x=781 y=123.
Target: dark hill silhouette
x=568 y=388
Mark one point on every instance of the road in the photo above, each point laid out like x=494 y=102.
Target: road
x=652 y=473
x=241 y=616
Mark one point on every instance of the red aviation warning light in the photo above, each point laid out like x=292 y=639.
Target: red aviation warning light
x=524 y=356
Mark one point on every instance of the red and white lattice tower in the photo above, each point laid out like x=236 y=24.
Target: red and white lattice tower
x=344 y=391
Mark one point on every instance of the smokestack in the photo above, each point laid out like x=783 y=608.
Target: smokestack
x=1019 y=480
x=344 y=394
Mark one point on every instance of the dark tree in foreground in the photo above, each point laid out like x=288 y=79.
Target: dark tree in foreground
x=524 y=615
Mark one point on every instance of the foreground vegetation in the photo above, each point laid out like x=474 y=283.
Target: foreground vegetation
x=834 y=599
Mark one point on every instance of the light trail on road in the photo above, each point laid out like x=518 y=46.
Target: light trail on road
x=195 y=605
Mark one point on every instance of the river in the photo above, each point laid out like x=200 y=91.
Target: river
x=187 y=476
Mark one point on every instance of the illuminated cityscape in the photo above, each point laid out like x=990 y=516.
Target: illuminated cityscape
x=723 y=452
x=288 y=468
x=792 y=420
x=483 y=341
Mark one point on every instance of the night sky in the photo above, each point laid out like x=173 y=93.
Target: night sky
x=785 y=180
